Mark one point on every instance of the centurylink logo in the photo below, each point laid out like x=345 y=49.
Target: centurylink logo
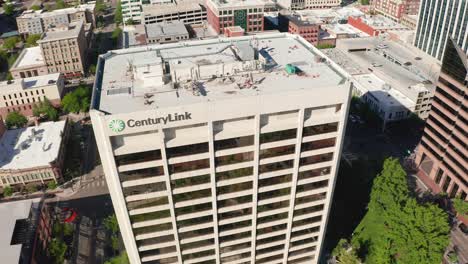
x=117 y=125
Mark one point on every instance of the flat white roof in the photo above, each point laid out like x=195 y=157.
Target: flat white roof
x=330 y=15
x=345 y=29
x=122 y=91
x=386 y=95
x=65 y=11
x=28 y=83
x=71 y=30
x=31 y=147
x=30 y=57
x=237 y=3
x=165 y=29
x=10 y=212
x=381 y=22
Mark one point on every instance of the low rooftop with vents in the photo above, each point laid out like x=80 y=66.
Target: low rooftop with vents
x=151 y=77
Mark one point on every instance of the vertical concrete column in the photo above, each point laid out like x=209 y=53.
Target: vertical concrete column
x=214 y=201
x=253 y=244
x=292 y=200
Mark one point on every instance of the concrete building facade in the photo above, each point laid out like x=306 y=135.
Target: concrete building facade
x=308 y=4
x=439 y=20
x=33 y=155
x=246 y=14
x=442 y=153
x=64 y=49
x=187 y=12
x=21 y=94
x=166 y=32
x=37 y=22
x=30 y=63
x=395 y=9
x=206 y=162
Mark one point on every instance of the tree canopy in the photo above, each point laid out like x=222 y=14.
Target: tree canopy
x=118 y=14
x=345 y=254
x=461 y=206
x=121 y=259
x=8 y=8
x=77 y=101
x=60 y=4
x=111 y=224
x=15 y=120
x=10 y=43
x=46 y=110
x=57 y=249
x=396 y=228
x=31 y=40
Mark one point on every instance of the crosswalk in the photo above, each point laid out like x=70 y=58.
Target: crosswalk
x=94 y=184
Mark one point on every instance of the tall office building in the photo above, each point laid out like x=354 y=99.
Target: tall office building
x=439 y=20
x=222 y=150
x=442 y=152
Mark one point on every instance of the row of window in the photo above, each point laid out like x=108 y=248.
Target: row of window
x=8 y=179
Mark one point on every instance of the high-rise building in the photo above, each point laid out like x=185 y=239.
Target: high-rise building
x=221 y=150
x=439 y=20
x=442 y=152
x=395 y=9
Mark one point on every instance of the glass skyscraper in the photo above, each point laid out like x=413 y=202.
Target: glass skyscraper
x=439 y=19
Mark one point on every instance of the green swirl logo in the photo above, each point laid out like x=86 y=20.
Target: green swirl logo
x=117 y=125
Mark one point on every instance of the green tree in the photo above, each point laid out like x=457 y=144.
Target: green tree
x=68 y=229
x=111 y=224
x=118 y=14
x=324 y=46
x=31 y=188
x=10 y=43
x=100 y=6
x=116 y=33
x=31 y=40
x=51 y=185
x=8 y=8
x=76 y=101
x=419 y=233
x=60 y=4
x=396 y=229
x=461 y=206
x=35 y=7
x=130 y=21
x=7 y=191
x=92 y=69
x=121 y=259
x=115 y=242
x=345 y=254
x=57 y=249
x=45 y=109
x=15 y=120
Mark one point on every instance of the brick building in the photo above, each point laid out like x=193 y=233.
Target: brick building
x=26 y=228
x=33 y=155
x=395 y=9
x=374 y=25
x=293 y=24
x=227 y=13
x=442 y=154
